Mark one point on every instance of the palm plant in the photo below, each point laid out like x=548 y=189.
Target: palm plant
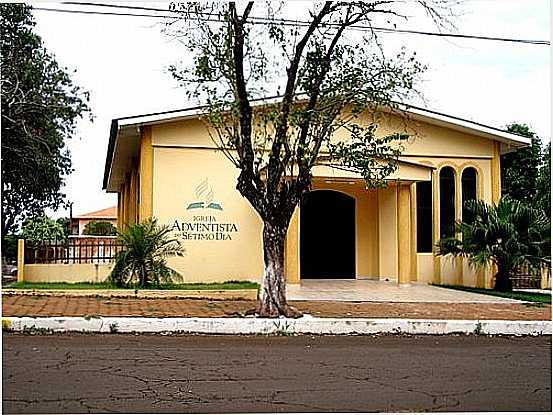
x=509 y=235
x=142 y=261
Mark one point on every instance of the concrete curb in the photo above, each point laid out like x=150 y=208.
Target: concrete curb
x=304 y=325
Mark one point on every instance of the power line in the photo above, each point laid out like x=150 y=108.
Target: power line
x=354 y=27
x=286 y=22
x=102 y=13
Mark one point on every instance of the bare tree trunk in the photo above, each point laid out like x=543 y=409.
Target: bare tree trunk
x=272 y=297
x=503 y=281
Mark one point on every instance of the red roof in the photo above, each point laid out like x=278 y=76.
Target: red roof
x=107 y=213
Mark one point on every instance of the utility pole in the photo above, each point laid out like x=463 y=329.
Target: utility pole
x=70 y=218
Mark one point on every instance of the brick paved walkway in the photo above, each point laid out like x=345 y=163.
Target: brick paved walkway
x=18 y=305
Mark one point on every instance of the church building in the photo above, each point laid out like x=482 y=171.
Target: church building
x=166 y=166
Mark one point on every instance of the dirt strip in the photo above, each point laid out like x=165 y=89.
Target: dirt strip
x=40 y=306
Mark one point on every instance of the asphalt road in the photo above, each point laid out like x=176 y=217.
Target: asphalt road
x=147 y=373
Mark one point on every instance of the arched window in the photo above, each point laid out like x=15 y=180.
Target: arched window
x=468 y=189
x=424 y=216
x=447 y=202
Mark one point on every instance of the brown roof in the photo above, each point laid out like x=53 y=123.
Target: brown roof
x=107 y=213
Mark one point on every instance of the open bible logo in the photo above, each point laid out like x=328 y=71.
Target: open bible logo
x=204 y=197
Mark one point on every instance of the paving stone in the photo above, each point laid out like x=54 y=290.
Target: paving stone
x=44 y=306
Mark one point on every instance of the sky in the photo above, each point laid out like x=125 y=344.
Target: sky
x=122 y=62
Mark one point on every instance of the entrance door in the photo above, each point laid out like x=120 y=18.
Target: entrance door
x=327 y=235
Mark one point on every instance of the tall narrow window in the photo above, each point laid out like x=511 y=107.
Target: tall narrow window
x=424 y=217
x=468 y=186
x=447 y=202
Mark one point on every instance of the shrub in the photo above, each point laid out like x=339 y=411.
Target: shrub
x=508 y=235
x=42 y=228
x=142 y=261
x=99 y=228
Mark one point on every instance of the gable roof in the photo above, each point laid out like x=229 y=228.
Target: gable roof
x=509 y=140
x=107 y=213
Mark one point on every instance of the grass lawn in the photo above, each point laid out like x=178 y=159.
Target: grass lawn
x=229 y=285
x=516 y=295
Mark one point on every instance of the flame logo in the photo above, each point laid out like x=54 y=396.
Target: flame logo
x=204 y=197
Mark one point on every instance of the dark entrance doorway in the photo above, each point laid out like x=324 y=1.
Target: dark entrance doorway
x=327 y=235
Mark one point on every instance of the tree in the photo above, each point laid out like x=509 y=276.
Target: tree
x=9 y=248
x=66 y=226
x=142 y=260
x=99 y=228
x=331 y=82
x=519 y=169
x=42 y=228
x=543 y=183
x=509 y=235
x=40 y=108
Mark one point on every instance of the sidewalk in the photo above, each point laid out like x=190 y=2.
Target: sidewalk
x=42 y=306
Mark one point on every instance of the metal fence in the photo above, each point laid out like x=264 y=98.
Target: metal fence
x=526 y=277
x=72 y=251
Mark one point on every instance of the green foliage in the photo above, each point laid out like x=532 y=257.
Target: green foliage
x=358 y=154
x=142 y=261
x=520 y=169
x=66 y=225
x=9 y=247
x=42 y=228
x=99 y=228
x=40 y=108
x=509 y=235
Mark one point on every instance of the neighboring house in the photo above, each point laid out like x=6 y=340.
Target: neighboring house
x=79 y=222
x=166 y=166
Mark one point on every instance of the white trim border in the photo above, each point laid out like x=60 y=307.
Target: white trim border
x=282 y=326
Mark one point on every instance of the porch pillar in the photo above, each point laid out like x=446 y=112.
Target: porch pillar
x=292 y=250
x=146 y=175
x=20 y=260
x=404 y=234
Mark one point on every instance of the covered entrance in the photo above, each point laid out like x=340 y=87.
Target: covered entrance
x=327 y=235
x=343 y=231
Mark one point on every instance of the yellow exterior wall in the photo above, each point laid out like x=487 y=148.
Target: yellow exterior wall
x=178 y=174
x=470 y=276
x=428 y=140
x=176 y=157
x=70 y=273
x=171 y=134
x=425 y=268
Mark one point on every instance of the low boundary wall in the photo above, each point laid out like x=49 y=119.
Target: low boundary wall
x=71 y=273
